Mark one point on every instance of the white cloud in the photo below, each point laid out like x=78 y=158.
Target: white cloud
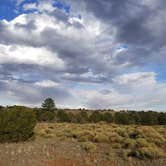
x=41 y=6
x=46 y=5
x=136 y=79
x=137 y=91
x=46 y=83
x=29 y=55
x=29 y=6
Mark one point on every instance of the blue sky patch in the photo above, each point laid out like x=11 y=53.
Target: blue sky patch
x=9 y=9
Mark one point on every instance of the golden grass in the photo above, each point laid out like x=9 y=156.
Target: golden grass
x=136 y=141
x=88 y=146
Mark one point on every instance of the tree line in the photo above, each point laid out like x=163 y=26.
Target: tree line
x=48 y=112
x=17 y=122
x=122 y=117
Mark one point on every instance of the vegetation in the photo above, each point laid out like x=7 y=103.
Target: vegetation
x=43 y=115
x=139 y=142
x=16 y=124
x=122 y=117
x=124 y=134
x=48 y=104
x=88 y=146
x=83 y=116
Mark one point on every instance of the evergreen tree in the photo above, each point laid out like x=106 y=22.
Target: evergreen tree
x=48 y=104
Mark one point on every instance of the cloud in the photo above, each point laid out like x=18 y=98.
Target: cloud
x=130 y=91
x=18 y=2
x=136 y=79
x=98 y=54
x=46 y=83
x=138 y=24
x=30 y=6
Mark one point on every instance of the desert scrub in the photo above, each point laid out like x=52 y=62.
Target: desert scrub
x=150 y=152
x=121 y=131
x=153 y=136
x=44 y=133
x=86 y=136
x=143 y=153
x=88 y=146
x=101 y=138
x=129 y=143
x=142 y=142
x=133 y=133
x=134 y=141
x=115 y=138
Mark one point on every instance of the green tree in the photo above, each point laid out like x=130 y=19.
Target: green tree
x=62 y=116
x=162 y=118
x=82 y=117
x=149 y=118
x=16 y=124
x=72 y=117
x=107 y=116
x=48 y=104
x=96 y=116
x=46 y=116
x=121 y=118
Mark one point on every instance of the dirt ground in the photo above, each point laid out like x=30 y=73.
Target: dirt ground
x=47 y=152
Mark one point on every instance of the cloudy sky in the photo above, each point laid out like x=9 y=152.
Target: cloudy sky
x=86 y=53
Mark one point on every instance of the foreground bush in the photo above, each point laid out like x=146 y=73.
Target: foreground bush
x=144 y=153
x=88 y=146
x=16 y=124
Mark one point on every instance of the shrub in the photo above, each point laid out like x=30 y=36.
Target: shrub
x=16 y=124
x=45 y=133
x=107 y=117
x=72 y=117
x=143 y=153
x=121 y=131
x=86 y=136
x=115 y=138
x=149 y=152
x=148 y=118
x=162 y=118
x=101 y=138
x=44 y=115
x=121 y=118
x=62 y=116
x=129 y=143
x=96 y=116
x=153 y=136
x=82 y=117
x=88 y=146
x=133 y=135
x=142 y=142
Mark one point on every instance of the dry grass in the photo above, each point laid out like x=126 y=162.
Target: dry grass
x=89 y=145
x=133 y=141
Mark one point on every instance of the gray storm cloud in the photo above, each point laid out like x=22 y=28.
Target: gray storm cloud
x=94 y=61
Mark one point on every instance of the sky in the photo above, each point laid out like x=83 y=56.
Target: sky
x=84 y=54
